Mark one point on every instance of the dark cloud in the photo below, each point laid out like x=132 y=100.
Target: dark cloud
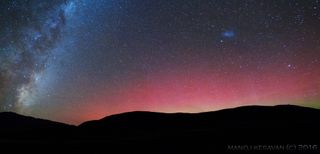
x=29 y=29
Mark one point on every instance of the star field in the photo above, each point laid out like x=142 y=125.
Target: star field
x=76 y=60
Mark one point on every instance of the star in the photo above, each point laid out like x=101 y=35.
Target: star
x=291 y=66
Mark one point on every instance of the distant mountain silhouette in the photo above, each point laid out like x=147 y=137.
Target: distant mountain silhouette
x=19 y=128
x=280 y=116
x=10 y=120
x=174 y=132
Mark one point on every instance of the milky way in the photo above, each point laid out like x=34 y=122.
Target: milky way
x=73 y=61
x=29 y=30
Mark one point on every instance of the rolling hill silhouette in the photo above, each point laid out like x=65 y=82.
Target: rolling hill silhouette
x=174 y=132
x=19 y=128
x=11 y=120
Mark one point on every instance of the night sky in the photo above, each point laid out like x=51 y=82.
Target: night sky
x=78 y=60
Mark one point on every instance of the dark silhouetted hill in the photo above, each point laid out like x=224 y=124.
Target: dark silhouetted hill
x=280 y=116
x=15 y=128
x=267 y=118
x=152 y=132
x=213 y=131
x=10 y=120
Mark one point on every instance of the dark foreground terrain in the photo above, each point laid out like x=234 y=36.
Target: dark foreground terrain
x=283 y=128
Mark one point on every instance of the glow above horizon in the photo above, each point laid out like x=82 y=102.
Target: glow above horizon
x=83 y=60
